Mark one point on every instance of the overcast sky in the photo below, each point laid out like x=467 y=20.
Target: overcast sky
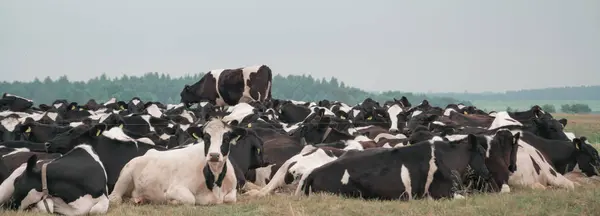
x=423 y=46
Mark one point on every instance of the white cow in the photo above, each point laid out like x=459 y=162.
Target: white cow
x=186 y=175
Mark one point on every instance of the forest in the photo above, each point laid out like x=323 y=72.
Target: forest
x=562 y=93
x=164 y=88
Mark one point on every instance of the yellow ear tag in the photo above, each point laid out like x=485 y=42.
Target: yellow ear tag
x=80 y=109
x=370 y=118
x=465 y=113
x=73 y=108
x=28 y=130
x=195 y=136
x=577 y=146
x=121 y=107
x=121 y=126
x=249 y=125
x=234 y=140
x=258 y=151
x=342 y=117
x=98 y=132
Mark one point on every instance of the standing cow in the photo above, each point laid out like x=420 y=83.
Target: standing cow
x=230 y=86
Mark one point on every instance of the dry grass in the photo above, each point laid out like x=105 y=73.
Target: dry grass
x=582 y=201
x=583 y=125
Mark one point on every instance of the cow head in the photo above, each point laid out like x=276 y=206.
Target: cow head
x=549 y=128
x=15 y=103
x=188 y=96
x=587 y=157
x=218 y=138
x=397 y=117
x=27 y=185
x=477 y=157
x=249 y=152
x=66 y=141
x=502 y=158
x=417 y=118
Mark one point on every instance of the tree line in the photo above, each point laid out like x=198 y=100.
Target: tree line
x=164 y=88
x=559 y=93
x=565 y=108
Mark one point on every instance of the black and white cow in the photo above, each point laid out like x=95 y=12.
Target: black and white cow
x=15 y=103
x=198 y=174
x=75 y=182
x=423 y=170
x=230 y=86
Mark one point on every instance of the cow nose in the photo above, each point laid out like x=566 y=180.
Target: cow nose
x=406 y=131
x=393 y=130
x=213 y=157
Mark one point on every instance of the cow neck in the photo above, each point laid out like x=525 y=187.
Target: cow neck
x=210 y=181
x=45 y=193
x=327 y=132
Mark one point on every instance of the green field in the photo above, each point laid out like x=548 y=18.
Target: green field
x=582 y=201
x=526 y=104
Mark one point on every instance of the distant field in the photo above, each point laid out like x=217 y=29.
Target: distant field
x=583 y=125
x=526 y=104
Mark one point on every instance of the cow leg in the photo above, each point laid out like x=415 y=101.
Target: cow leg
x=81 y=206
x=505 y=189
x=250 y=186
x=538 y=186
x=101 y=206
x=124 y=184
x=230 y=197
x=278 y=180
x=180 y=195
x=560 y=181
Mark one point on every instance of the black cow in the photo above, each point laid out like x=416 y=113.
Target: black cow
x=230 y=86
x=422 y=169
x=15 y=103
x=76 y=184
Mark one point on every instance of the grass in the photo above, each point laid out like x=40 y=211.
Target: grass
x=581 y=201
x=587 y=125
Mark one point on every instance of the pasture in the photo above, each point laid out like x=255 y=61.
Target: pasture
x=582 y=201
x=526 y=104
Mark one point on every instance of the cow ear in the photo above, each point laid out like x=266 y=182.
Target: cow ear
x=237 y=133
x=577 y=142
x=72 y=106
x=583 y=139
x=195 y=132
x=321 y=112
x=563 y=121
x=4 y=95
x=341 y=114
x=516 y=138
x=98 y=129
x=31 y=162
x=234 y=123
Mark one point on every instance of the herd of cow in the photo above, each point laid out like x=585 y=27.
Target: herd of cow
x=228 y=136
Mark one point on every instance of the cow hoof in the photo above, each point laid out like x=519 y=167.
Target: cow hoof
x=114 y=199
x=252 y=192
x=458 y=196
x=138 y=200
x=505 y=189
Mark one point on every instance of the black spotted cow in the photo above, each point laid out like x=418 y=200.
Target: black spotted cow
x=230 y=86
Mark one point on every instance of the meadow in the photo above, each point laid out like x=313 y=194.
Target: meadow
x=521 y=201
x=526 y=104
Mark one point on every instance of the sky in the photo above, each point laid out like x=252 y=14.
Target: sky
x=378 y=45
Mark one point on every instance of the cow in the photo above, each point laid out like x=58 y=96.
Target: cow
x=422 y=170
x=230 y=86
x=15 y=103
x=74 y=184
x=198 y=174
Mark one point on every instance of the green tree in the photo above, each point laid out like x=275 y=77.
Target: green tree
x=549 y=108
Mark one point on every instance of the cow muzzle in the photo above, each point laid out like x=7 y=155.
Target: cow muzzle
x=393 y=130
x=214 y=157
